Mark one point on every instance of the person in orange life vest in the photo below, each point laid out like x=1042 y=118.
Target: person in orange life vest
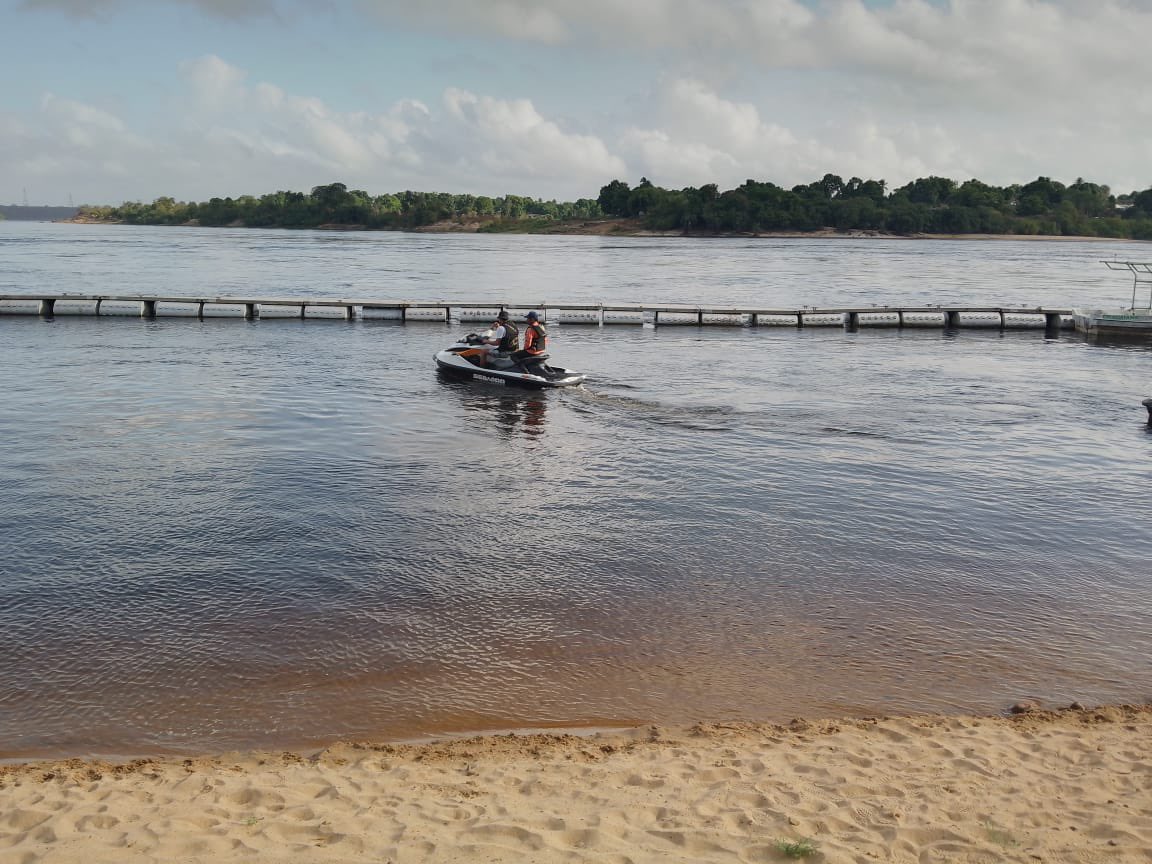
x=535 y=339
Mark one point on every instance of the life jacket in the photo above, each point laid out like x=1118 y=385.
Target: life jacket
x=510 y=342
x=535 y=338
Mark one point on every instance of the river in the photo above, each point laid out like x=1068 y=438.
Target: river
x=224 y=534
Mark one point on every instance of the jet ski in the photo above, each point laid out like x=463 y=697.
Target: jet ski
x=468 y=359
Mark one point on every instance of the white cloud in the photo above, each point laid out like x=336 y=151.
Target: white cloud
x=280 y=135
x=215 y=84
x=236 y=137
x=68 y=144
x=476 y=143
x=777 y=90
x=695 y=136
x=75 y=116
x=509 y=139
x=674 y=163
x=964 y=51
x=474 y=140
x=987 y=88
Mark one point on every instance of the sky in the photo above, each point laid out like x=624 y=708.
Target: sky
x=105 y=101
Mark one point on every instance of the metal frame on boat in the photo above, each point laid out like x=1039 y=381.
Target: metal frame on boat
x=1133 y=321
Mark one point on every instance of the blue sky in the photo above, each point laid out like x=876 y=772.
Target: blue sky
x=113 y=100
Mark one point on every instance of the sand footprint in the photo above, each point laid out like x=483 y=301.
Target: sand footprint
x=299 y=813
x=716 y=775
x=645 y=782
x=24 y=820
x=508 y=836
x=99 y=822
x=580 y=838
x=692 y=844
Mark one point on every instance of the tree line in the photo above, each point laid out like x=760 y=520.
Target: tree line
x=929 y=205
x=336 y=204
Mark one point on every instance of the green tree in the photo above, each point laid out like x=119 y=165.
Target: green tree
x=613 y=198
x=857 y=188
x=329 y=200
x=1090 y=199
x=643 y=198
x=1141 y=204
x=1039 y=197
x=973 y=193
x=931 y=191
x=830 y=185
x=905 y=218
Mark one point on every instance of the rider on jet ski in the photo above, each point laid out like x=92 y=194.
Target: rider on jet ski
x=501 y=340
x=505 y=337
x=526 y=368
x=535 y=339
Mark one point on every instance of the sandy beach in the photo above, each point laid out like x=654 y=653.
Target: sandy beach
x=1056 y=786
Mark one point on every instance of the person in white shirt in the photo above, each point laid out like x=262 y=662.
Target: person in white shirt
x=505 y=337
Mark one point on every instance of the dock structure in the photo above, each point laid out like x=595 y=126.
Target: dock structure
x=599 y=314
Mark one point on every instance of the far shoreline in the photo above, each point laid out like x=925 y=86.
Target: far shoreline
x=632 y=228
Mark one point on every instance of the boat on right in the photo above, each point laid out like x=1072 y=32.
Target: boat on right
x=1133 y=321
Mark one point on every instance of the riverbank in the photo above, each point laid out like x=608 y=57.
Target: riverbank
x=635 y=228
x=1069 y=785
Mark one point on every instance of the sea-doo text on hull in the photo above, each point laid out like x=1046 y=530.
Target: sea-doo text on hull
x=468 y=359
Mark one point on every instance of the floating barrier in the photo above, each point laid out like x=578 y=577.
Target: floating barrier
x=112 y=307
x=265 y=310
x=599 y=314
x=224 y=310
x=380 y=313
x=573 y=316
x=175 y=309
x=332 y=312
x=487 y=316
x=621 y=316
x=75 y=307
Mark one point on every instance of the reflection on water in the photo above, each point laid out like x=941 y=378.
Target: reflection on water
x=1122 y=341
x=220 y=534
x=514 y=412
